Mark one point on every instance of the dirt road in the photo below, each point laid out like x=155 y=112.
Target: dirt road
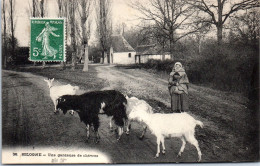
x=28 y=119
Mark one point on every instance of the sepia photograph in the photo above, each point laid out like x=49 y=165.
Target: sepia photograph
x=130 y=81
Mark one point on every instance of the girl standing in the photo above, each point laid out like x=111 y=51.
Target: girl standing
x=178 y=88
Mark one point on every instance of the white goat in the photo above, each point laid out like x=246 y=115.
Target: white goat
x=180 y=125
x=57 y=91
x=134 y=104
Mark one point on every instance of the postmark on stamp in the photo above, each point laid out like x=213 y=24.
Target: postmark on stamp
x=47 y=39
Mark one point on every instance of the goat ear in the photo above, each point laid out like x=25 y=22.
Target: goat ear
x=45 y=80
x=52 y=80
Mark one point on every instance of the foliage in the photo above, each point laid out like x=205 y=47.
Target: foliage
x=95 y=53
x=8 y=51
x=225 y=67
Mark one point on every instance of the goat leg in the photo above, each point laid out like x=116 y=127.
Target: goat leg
x=190 y=138
x=144 y=131
x=110 y=124
x=158 y=147
x=87 y=128
x=182 y=147
x=128 y=126
x=55 y=107
x=163 y=146
x=97 y=138
x=120 y=132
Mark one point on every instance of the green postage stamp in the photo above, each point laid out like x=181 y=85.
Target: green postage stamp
x=47 y=40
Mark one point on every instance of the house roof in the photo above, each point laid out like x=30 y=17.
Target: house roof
x=146 y=49
x=149 y=50
x=119 y=44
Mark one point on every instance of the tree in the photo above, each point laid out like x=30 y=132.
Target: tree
x=4 y=35
x=12 y=26
x=103 y=21
x=168 y=20
x=247 y=27
x=72 y=32
x=42 y=11
x=34 y=12
x=35 y=5
x=63 y=8
x=33 y=9
x=217 y=12
x=85 y=30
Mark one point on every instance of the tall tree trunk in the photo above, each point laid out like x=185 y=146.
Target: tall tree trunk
x=102 y=57
x=220 y=22
x=105 y=57
x=34 y=8
x=62 y=5
x=171 y=48
x=103 y=29
x=85 y=68
x=219 y=34
x=84 y=34
x=12 y=27
x=4 y=36
x=73 y=37
x=34 y=15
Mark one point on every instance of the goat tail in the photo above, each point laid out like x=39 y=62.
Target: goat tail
x=199 y=123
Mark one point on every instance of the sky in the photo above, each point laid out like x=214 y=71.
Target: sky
x=22 y=20
x=120 y=13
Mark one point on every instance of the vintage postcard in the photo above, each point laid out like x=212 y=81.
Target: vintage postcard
x=130 y=81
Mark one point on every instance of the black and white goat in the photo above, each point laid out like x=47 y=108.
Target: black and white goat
x=180 y=125
x=89 y=105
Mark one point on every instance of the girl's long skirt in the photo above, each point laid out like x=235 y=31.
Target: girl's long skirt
x=179 y=102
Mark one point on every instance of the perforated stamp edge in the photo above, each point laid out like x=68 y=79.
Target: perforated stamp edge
x=64 y=39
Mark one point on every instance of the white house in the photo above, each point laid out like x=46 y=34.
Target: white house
x=146 y=52
x=121 y=52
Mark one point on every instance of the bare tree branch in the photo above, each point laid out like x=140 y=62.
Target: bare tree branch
x=205 y=7
x=166 y=18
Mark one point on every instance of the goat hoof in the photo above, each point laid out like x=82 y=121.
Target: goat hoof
x=163 y=152
x=179 y=155
x=156 y=156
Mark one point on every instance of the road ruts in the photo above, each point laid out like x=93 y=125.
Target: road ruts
x=15 y=110
x=29 y=121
